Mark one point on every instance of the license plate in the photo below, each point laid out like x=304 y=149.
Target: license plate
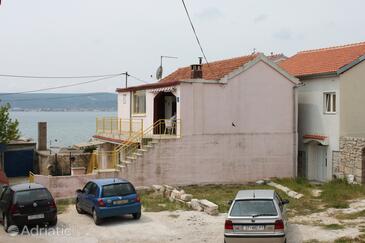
x=119 y=202
x=253 y=227
x=36 y=216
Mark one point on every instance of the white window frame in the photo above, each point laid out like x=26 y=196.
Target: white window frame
x=141 y=95
x=329 y=103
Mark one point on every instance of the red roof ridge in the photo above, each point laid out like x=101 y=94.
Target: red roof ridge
x=333 y=47
x=231 y=59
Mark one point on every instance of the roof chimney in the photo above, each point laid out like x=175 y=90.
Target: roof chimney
x=197 y=70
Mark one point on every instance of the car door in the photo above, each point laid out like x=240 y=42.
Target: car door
x=2 y=203
x=90 y=197
x=82 y=196
x=282 y=208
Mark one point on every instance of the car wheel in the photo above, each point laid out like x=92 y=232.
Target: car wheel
x=137 y=215
x=78 y=208
x=96 y=219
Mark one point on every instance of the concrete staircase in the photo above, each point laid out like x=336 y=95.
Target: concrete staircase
x=129 y=160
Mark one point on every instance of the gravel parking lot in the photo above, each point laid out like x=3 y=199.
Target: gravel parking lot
x=161 y=227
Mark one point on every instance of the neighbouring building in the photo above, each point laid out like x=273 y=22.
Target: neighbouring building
x=231 y=121
x=17 y=157
x=331 y=114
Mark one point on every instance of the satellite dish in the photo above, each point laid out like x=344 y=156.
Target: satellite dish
x=159 y=72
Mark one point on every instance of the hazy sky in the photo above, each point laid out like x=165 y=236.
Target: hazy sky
x=86 y=37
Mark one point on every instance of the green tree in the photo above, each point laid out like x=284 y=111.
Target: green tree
x=8 y=128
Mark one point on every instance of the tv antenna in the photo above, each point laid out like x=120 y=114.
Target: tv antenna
x=159 y=71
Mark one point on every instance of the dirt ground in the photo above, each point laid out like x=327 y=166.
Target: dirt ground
x=161 y=227
x=179 y=226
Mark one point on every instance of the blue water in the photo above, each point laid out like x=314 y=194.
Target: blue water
x=67 y=128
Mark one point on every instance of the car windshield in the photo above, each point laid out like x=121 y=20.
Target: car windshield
x=254 y=208
x=120 y=189
x=32 y=195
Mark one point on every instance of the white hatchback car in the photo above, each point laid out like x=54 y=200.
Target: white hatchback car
x=256 y=216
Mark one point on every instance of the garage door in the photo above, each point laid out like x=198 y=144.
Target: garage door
x=18 y=163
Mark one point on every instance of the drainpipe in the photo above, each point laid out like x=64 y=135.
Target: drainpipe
x=130 y=113
x=295 y=126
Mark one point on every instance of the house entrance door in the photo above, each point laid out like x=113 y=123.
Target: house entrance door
x=317 y=162
x=164 y=108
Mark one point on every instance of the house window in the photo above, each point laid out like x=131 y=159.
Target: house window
x=139 y=102
x=330 y=103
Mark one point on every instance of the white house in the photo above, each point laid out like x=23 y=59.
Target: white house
x=231 y=121
x=331 y=114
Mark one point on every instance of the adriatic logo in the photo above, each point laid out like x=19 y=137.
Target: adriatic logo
x=13 y=230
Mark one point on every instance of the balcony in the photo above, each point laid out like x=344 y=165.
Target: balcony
x=117 y=128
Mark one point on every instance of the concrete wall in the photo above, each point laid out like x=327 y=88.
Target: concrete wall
x=47 y=162
x=352 y=116
x=214 y=159
x=124 y=105
x=66 y=186
x=313 y=120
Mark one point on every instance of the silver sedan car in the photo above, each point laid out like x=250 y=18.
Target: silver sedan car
x=256 y=216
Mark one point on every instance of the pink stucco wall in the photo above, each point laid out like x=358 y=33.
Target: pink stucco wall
x=214 y=159
x=259 y=100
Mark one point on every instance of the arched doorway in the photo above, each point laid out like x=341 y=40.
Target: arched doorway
x=164 y=106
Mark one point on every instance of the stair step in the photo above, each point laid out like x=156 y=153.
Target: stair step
x=121 y=166
x=142 y=150
x=149 y=146
x=131 y=158
x=154 y=142
x=127 y=162
x=138 y=154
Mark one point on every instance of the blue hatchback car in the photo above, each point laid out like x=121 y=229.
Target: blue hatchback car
x=103 y=198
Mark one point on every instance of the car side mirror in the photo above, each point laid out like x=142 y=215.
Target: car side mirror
x=79 y=191
x=285 y=201
x=230 y=202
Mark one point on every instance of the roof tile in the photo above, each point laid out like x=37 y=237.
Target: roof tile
x=325 y=60
x=214 y=71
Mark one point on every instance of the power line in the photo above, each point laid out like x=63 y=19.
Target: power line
x=63 y=86
x=141 y=80
x=52 y=98
x=56 y=77
x=196 y=35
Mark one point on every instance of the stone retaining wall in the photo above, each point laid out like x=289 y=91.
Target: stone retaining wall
x=351 y=158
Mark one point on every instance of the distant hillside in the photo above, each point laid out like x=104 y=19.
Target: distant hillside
x=61 y=102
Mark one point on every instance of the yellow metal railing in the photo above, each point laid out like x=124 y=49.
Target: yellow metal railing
x=161 y=128
x=115 y=125
x=31 y=177
x=110 y=159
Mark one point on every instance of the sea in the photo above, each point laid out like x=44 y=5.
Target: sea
x=63 y=128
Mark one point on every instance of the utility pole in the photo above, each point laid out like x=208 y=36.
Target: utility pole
x=126 y=79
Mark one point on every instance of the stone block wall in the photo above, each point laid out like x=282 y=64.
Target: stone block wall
x=351 y=157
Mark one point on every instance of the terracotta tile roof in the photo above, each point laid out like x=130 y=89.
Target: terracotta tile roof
x=215 y=71
x=320 y=61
